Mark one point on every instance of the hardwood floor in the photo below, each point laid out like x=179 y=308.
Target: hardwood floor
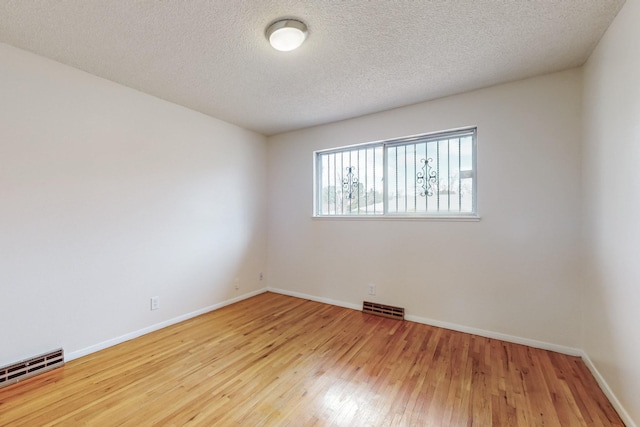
x=274 y=360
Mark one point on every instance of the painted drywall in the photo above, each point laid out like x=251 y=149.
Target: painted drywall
x=514 y=272
x=109 y=197
x=611 y=189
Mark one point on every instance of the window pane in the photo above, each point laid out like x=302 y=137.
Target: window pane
x=422 y=175
x=351 y=182
x=430 y=177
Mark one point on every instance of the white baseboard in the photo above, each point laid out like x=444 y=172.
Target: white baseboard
x=316 y=299
x=446 y=325
x=607 y=391
x=498 y=336
x=135 y=334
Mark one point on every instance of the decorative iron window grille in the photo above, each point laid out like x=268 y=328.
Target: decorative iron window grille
x=431 y=175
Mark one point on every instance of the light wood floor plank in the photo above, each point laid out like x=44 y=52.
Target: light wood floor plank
x=274 y=360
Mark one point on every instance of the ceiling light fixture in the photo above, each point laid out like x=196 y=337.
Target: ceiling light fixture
x=286 y=34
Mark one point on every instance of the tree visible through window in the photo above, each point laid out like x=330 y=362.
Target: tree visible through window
x=424 y=175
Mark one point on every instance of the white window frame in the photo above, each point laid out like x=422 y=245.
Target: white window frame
x=396 y=142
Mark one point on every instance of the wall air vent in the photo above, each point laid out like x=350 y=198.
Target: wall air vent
x=383 y=310
x=28 y=368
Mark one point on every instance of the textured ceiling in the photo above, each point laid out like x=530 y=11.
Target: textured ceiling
x=360 y=57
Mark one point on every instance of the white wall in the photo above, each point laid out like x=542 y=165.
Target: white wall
x=108 y=197
x=514 y=272
x=612 y=205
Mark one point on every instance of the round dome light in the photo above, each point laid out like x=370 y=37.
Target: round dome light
x=286 y=34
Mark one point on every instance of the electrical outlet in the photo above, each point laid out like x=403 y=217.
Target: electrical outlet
x=155 y=303
x=372 y=289
x=261 y=277
x=236 y=283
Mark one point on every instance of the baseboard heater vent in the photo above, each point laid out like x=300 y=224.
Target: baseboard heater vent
x=383 y=310
x=28 y=368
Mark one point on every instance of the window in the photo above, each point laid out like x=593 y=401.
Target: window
x=431 y=175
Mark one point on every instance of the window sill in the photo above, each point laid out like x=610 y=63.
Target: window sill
x=452 y=218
